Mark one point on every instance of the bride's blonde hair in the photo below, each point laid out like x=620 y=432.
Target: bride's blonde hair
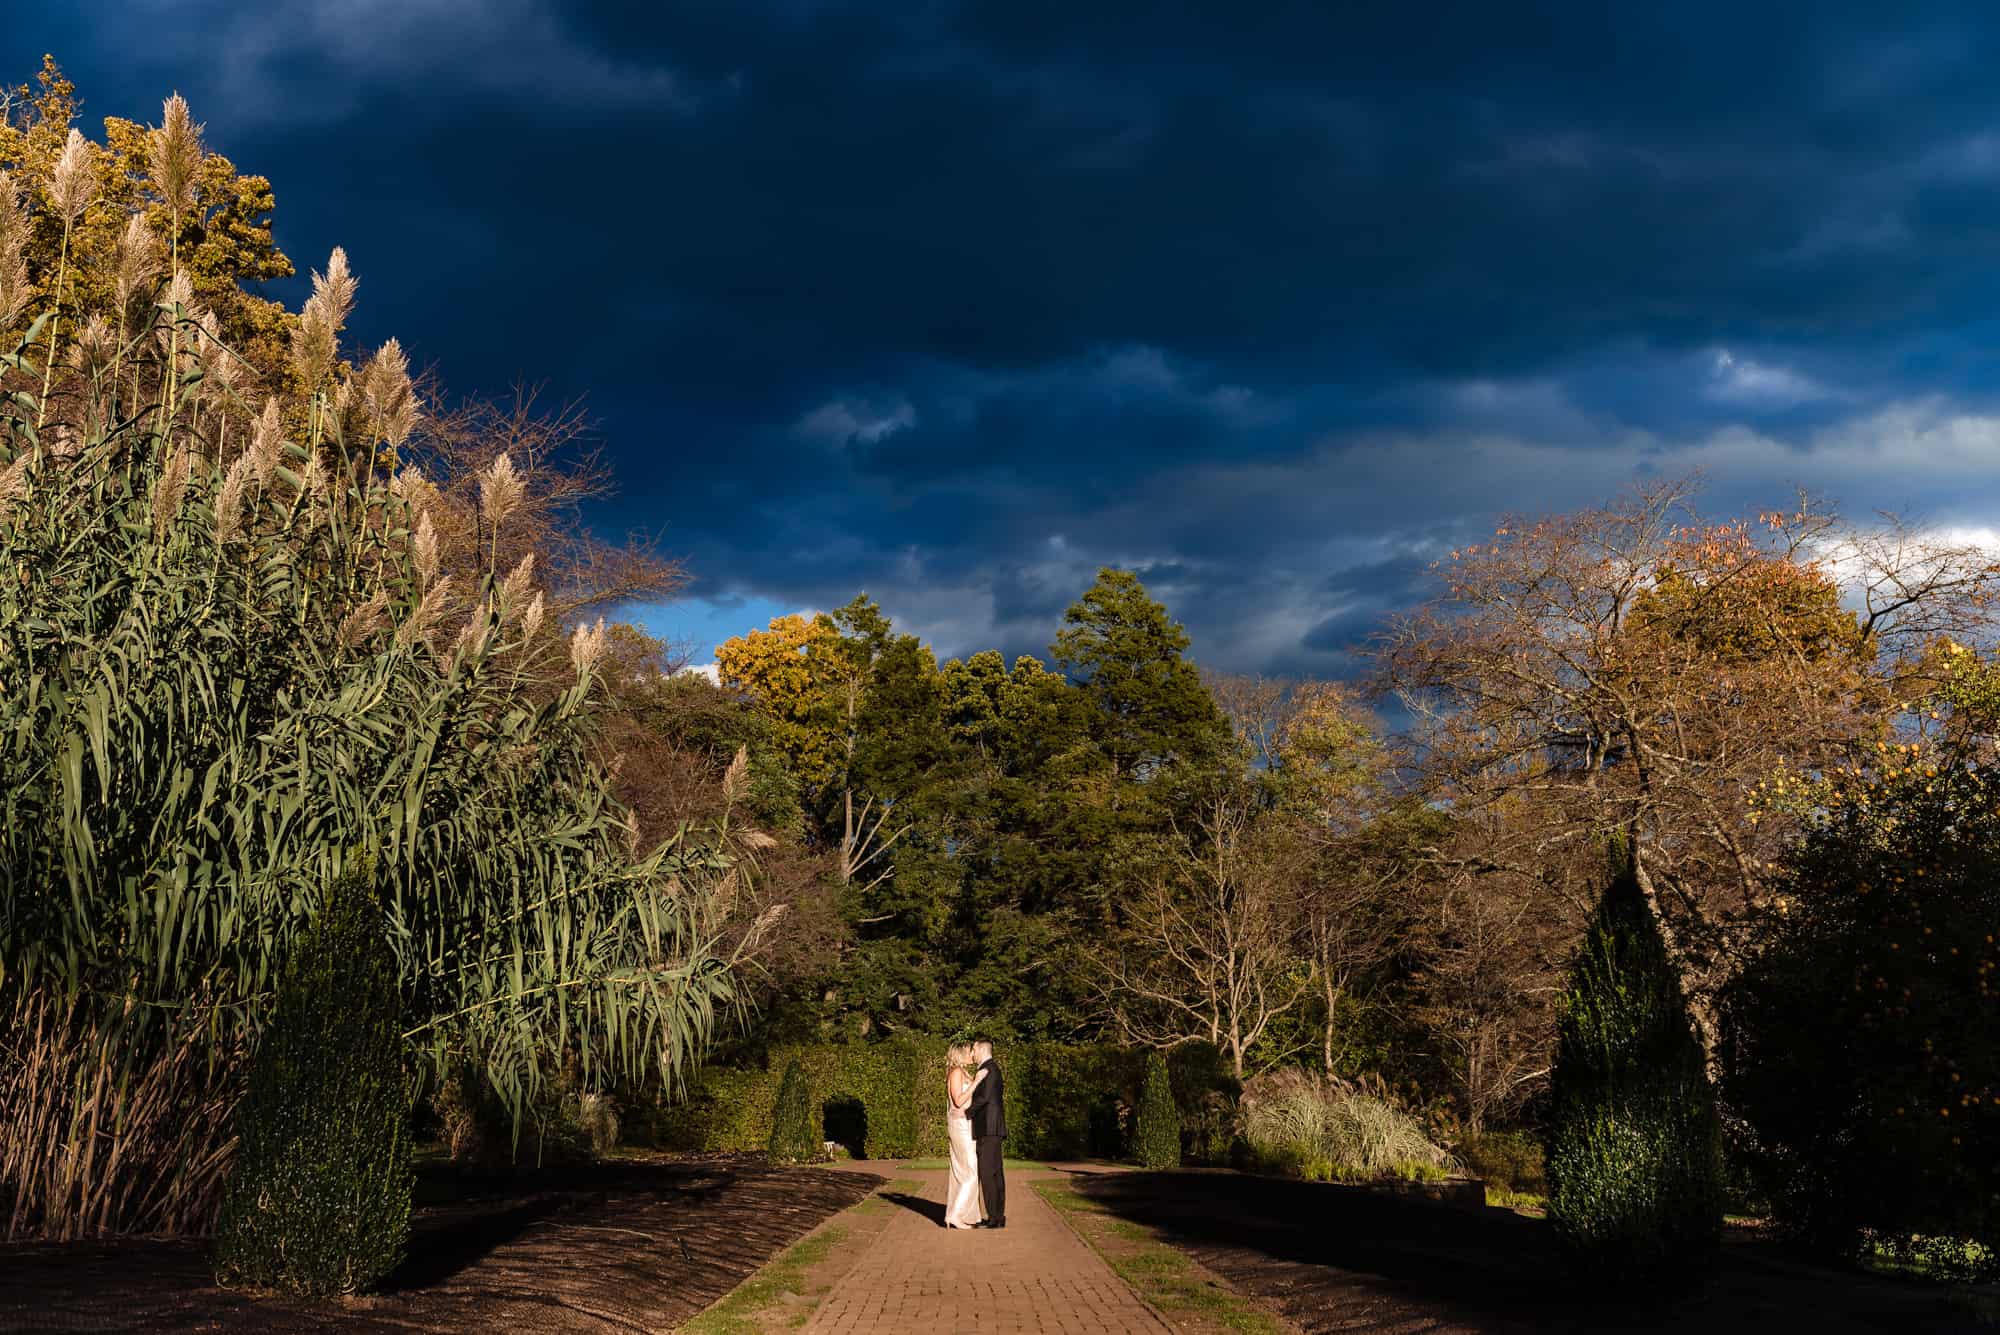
x=958 y=1054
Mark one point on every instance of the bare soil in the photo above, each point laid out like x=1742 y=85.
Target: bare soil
x=1333 y=1258
x=640 y=1243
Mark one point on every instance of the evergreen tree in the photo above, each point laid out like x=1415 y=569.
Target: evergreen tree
x=1156 y=1136
x=1633 y=1145
x=1122 y=648
x=795 y=1132
x=319 y=1202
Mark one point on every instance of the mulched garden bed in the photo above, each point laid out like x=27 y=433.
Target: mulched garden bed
x=1334 y=1258
x=637 y=1243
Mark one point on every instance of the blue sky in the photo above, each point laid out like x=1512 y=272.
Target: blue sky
x=953 y=303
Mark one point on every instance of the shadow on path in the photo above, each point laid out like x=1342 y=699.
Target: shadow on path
x=1355 y=1260
x=931 y=1210
x=597 y=1249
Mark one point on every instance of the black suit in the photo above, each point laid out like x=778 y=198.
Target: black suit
x=988 y=1110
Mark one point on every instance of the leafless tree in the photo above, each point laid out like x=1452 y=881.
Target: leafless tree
x=1210 y=950
x=1635 y=667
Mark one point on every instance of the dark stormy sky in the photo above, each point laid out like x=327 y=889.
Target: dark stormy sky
x=955 y=302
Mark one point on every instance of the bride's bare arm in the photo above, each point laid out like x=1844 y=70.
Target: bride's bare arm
x=957 y=1090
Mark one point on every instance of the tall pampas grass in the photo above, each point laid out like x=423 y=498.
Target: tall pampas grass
x=226 y=612
x=14 y=228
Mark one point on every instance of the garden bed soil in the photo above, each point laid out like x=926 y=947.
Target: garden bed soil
x=1337 y=1258
x=641 y=1242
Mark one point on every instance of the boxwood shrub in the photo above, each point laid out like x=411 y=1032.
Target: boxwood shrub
x=319 y=1199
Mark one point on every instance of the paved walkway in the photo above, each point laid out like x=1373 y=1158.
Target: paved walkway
x=1035 y=1275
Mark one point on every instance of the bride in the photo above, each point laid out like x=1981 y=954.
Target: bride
x=962 y=1204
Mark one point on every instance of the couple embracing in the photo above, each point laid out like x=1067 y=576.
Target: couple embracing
x=975 y=1120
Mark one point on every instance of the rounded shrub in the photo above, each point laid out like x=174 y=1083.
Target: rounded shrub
x=1156 y=1137
x=795 y=1134
x=319 y=1201
x=1858 y=1043
x=1634 y=1159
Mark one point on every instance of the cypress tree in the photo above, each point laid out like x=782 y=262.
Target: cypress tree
x=1633 y=1143
x=794 y=1137
x=1156 y=1139
x=319 y=1202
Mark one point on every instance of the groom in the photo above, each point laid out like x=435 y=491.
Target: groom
x=988 y=1110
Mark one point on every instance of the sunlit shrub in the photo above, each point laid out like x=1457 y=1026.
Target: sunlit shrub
x=1300 y=1124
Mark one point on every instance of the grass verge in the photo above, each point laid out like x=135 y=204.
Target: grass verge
x=736 y=1313
x=1156 y=1271
x=743 y=1309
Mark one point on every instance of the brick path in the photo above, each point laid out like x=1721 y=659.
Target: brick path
x=1032 y=1276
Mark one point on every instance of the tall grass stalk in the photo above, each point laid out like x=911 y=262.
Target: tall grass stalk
x=216 y=677
x=1297 y=1122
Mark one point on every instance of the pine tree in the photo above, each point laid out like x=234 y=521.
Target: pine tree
x=1156 y=1138
x=1634 y=1147
x=795 y=1136
x=1125 y=651
x=319 y=1202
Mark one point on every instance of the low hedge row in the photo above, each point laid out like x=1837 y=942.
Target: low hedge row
x=886 y=1100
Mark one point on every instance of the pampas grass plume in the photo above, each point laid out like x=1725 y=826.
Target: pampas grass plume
x=173 y=157
x=74 y=183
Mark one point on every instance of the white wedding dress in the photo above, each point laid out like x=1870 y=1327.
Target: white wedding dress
x=963 y=1206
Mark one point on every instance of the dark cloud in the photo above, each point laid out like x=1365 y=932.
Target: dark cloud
x=954 y=302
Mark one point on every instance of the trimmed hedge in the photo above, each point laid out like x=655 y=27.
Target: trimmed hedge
x=795 y=1134
x=319 y=1201
x=1157 y=1141
x=1064 y=1100
x=1634 y=1149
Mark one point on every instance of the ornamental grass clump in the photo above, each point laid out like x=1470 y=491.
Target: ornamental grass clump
x=319 y=1201
x=1303 y=1125
x=1634 y=1158
x=1156 y=1136
x=233 y=642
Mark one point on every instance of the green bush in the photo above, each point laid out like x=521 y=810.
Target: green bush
x=319 y=1202
x=1156 y=1138
x=1859 y=1043
x=1064 y=1101
x=1634 y=1161
x=1508 y=1160
x=795 y=1134
x=1297 y=1124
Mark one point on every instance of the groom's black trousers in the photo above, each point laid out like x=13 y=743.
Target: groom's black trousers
x=992 y=1181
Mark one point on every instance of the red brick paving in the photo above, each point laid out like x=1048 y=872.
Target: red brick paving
x=1034 y=1276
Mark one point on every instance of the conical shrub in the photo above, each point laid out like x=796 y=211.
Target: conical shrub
x=1633 y=1143
x=319 y=1202
x=1156 y=1137
x=795 y=1134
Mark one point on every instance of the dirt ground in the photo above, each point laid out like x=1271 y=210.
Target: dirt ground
x=1334 y=1258
x=632 y=1244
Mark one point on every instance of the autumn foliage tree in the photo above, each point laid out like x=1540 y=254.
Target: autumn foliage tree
x=1637 y=667
x=1858 y=1041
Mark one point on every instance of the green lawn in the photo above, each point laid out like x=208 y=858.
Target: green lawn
x=736 y=1314
x=1161 y=1275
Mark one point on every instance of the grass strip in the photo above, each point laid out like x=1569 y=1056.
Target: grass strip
x=737 y=1312
x=1159 y=1273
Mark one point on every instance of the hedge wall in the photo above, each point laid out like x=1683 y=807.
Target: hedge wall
x=886 y=1100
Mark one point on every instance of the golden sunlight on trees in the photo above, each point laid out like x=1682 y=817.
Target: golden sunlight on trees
x=777 y=667
x=1636 y=667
